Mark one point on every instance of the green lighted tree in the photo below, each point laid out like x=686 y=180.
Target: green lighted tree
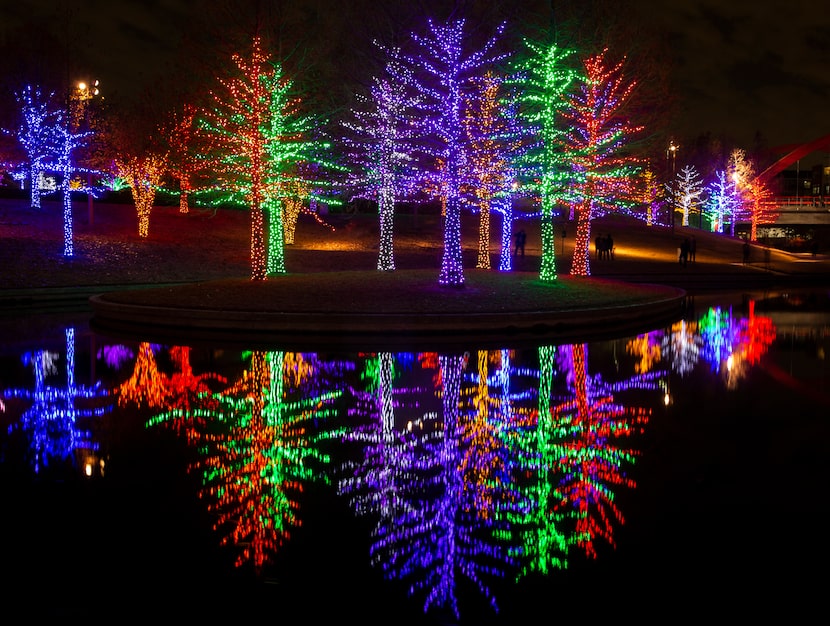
x=255 y=139
x=542 y=80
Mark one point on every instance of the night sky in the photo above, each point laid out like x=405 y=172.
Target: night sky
x=737 y=67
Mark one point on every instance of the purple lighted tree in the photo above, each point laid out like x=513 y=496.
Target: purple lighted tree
x=442 y=75
x=379 y=145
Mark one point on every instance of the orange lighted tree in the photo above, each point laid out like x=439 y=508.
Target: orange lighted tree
x=487 y=162
x=143 y=174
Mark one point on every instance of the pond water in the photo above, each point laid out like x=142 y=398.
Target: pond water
x=679 y=472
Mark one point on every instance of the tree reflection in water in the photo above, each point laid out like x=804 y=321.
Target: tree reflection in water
x=474 y=470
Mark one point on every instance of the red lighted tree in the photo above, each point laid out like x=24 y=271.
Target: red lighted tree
x=183 y=162
x=597 y=138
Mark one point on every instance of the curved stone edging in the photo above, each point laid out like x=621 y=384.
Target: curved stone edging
x=327 y=328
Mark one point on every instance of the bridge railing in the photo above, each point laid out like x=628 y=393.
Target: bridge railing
x=799 y=203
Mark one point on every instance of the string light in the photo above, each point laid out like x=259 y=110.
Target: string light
x=596 y=136
x=542 y=79
x=441 y=74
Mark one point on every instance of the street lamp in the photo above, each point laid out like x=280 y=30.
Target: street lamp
x=82 y=95
x=671 y=155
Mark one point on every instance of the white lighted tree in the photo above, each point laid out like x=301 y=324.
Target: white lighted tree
x=721 y=201
x=688 y=192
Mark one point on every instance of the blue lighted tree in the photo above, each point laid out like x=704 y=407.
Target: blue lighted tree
x=52 y=420
x=722 y=201
x=36 y=133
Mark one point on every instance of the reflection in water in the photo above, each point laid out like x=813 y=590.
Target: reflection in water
x=474 y=470
x=258 y=449
x=50 y=424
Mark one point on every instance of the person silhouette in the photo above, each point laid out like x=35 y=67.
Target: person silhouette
x=520 y=243
x=692 y=249
x=684 y=251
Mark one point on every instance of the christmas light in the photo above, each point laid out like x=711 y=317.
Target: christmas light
x=596 y=138
x=721 y=201
x=379 y=142
x=142 y=174
x=37 y=134
x=441 y=75
x=541 y=80
x=52 y=420
x=687 y=191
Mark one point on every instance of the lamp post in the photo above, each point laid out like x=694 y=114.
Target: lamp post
x=82 y=95
x=671 y=156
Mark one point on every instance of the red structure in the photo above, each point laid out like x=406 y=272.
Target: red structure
x=794 y=154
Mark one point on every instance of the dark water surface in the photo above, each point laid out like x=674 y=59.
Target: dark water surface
x=681 y=472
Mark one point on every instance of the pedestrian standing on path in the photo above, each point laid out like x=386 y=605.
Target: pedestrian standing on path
x=684 y=251
x=692 y=249
x=746 y=250
x=520 y=243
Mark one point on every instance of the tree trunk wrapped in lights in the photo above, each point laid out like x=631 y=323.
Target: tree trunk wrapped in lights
x=36 y=134
x=379 y=143
x=256 y=137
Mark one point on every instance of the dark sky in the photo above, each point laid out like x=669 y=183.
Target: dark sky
x=740 y=66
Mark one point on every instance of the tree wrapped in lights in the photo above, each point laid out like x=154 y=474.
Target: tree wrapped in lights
x=379 y=147
x=445 y=528
x=258 y=450
x=597 y=138
x=442 y=75
x=52 y=419
x=751 y=193
x=681 y=345
x=37 y=134
x=542 y=81
x=255 y=137
x=590 y=462
x=652 y=196
x=721 y=201
x=68 y=141
x=761 y=209
x=235 y=130
x=143 y=174
x=183 y=163
x=687 y=192
x=541 y=532
x=295 y=159
x=147 y=385
x=489 y=171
